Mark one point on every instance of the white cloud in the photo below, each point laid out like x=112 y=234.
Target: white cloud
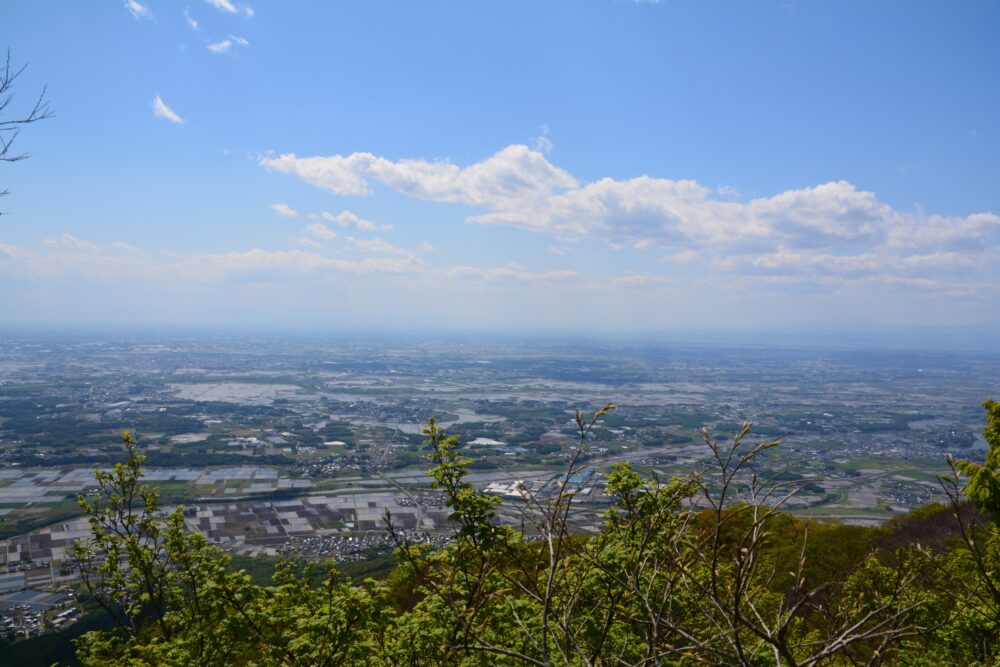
x=511 y=272
x=349 y=220
x=138 y=10
x=542 y=143
x=682 y=257
x=379 y=247
x=284 y=210
x=73 y=243
x=427 y=246
x=514 y=175
x=635 y=279
x=231 y=7
x=161 y=110
x=284 y=261
x=225 y=45
x=831 y=228
x=807 y=262
x=558 y=251
x=13 y=252
x=74 y=258
x=321 y=231
x=190 y=20
x=223 y=5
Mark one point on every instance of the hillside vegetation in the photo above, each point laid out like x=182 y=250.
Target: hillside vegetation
x=700 y=570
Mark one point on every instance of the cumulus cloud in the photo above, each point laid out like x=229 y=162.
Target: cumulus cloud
x=284 y=210
x=349 y=220
x=225 y=45
x=514 y=175
x=161 y=110
x=138 y=10
x=830 y=228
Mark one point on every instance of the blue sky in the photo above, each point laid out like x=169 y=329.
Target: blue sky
x=519 y=165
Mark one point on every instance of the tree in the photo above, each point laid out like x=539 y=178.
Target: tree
x=971 y=575
x=682 y=572
x=10 y=128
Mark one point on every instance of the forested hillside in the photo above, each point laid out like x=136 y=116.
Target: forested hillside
x=705 y=569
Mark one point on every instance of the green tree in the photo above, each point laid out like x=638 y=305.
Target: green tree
x=682 y=572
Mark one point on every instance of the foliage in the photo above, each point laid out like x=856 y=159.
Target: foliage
x=704 y=569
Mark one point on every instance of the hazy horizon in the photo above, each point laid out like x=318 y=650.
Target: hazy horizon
x=857 y=336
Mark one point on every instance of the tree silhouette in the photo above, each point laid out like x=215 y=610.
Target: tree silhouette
x=11 y=127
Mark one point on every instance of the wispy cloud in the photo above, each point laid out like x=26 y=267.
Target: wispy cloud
x=140 y=11
x=284 y=210
x=268 y=279
x=13 y=252
x=379 y=247
x=681 y=257
x=350 y=220
x=542 y=143
x=321 y=231
x=70 y=241
x=70 y=257
x=190 y=20
x=231 y=7
x=161 y=110
x=228 y=43
x=636 y=279
x=511 y=272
